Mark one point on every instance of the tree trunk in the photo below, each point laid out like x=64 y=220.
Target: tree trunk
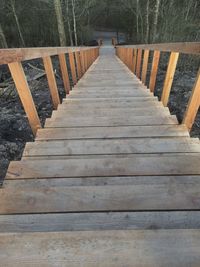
x=137 y=23
x=155 y=20
x=74 y=21
x=147 y=23
x=60 y=23
x=17 y=23
x=69 y=23
x=3 y=41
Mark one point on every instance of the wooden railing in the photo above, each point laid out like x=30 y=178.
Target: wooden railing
x=136 y=57
x=80 y=59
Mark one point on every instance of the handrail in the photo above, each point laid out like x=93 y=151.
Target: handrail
x=136 y=58
x=80 y=59
x=182 y=47
x=21 y=54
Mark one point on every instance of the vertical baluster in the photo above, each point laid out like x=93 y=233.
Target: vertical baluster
x=145 y=65
x=154 y=70
x=73 y=68
x=24 y=92
x=51 y=81
x=64 y=71
x=139 y=59
x=169 y=77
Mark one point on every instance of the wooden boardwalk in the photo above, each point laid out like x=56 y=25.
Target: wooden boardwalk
x=112 y=180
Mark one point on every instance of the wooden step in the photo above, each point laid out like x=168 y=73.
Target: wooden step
x=121 y=166
x=146 y=248
x=117 y=146
x=54 y=195
x=112 y=132
x=90 y=221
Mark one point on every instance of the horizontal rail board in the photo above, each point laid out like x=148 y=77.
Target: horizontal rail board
x=186 y=47
x=22 y=54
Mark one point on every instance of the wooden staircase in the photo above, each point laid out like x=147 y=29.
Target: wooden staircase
x=112 y=180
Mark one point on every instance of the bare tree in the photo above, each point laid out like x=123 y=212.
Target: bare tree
x=60 y=23
x=12 y=3
x=147 y=22
x=3 y=41
x=69 y=22
x=74 y=21
x=155 y=20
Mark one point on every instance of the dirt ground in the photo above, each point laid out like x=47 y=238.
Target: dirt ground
x=14 y=127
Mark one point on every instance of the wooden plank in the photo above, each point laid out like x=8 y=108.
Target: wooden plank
x=110 y=146
x=134 y=59
x=83 y=67
x=51 y=81
x=46 y=196
x=23 y=90
x=145 y=66
x=109 y=94
x=72 y=67
x=111 y=132
x=64 y=71
x=21 y=54
x=161 y=248
x=78 y=64
x=154 y=70
x=169 y=77
x=181 y=47
x=122 y=120
x=155 y=165
x=193 y=104
x=99 y=221
x=139 y=59
x=111 y=111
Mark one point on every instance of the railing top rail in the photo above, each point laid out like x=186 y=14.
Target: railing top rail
x=185 y=47
x=21 y=54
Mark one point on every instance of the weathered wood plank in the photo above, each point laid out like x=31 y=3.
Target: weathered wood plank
x=161 y=248
x=89 y=221
x=112 y=132
x=155 y=165
x=122 y=120
x=101 y=112
x=24 y=92
x=46 y=196
x=110 y=146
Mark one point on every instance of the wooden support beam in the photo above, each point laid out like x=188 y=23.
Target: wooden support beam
x=134 y=59
x=72 y=67
x=154 y=70
x=23 y=90
x=64 y=71
x=193 y=104
x=51 y=81
x=145 y=65
x=169 y=77
x=139 y=59
x=78 y=64
x=82 y=62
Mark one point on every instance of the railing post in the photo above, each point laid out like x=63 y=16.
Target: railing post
x=154 y=70
x=64 y=71
x=78 y=64
x=134 y=60
x=169 y=77
x=145 y=65
x=72 y=67
x=138 y=67
x=23 y=90
x=51 y=81
x=82 y=61
x=193 y=105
